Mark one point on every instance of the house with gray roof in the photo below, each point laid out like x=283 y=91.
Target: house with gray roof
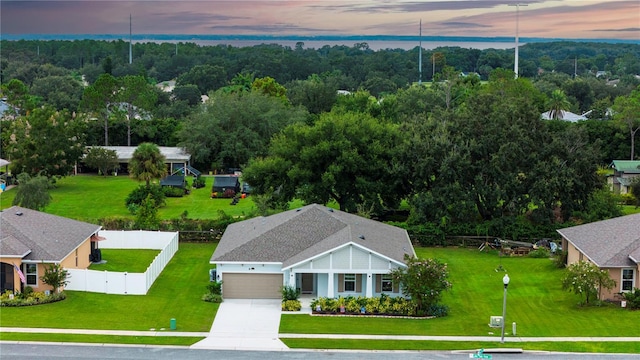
x=31 y=239
x=612 y=245
x=624 y=171
x=319 y=250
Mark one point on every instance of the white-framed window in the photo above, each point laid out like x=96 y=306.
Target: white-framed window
x=31 y=273
x=349 y=282
x=628 y=279
x=387 y=283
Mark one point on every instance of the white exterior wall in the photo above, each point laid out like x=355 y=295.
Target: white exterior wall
x=250 y=268
x=346 y=260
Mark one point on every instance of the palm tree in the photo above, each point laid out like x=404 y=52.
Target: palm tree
x=147 y=163
x=557 y=104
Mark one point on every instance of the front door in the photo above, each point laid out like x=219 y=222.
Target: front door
x=307 y=284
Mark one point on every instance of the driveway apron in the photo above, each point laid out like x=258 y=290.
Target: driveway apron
x=245 y=324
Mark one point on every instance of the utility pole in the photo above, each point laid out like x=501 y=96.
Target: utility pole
x=420 y=56
x=130 y=46
x=515 y=66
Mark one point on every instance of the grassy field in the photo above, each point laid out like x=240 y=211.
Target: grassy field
x=101 y=339
x=129 y=260
x=419 y=345
x=535 y=302
x=91 y=197
x=175 y=294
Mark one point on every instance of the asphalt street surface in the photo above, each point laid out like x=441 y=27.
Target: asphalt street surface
x=85 y=351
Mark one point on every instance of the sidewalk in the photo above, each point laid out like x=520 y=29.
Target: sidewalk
x=511 y=339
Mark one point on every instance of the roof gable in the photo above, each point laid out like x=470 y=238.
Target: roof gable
x=47 y=237
x=293 y=236
x=608 y=243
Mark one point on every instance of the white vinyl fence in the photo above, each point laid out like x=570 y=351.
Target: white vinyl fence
x=110 y=282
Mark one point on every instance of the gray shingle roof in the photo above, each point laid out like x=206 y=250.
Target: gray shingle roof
x=171 y=154
x=296 y=235
x=608 y=243
x=49 y=237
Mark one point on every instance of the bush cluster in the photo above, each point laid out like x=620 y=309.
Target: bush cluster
x=170 y=191
x=28 y=298
x=198 y=183
x=214 y=292
x=540 y=253
x=139 y=194
x=382 y=305
x=291 y=305
x=632 y=298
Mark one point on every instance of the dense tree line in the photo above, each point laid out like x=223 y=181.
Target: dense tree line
x=211 y=67
x=459 y=150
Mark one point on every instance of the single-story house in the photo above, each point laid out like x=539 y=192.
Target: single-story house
x=612 y=245
x=31 y=239
x=225 y=186
x=623 y=173
x=318 y=250
x=175 y=157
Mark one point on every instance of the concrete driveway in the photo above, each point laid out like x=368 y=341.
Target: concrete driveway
x=245 y=324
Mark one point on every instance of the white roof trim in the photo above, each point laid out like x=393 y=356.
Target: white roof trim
x=366 y=249
x=245 y=262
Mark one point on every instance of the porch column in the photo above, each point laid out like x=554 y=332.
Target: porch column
x=292 y=279
x=330 y=285
x=369 y=292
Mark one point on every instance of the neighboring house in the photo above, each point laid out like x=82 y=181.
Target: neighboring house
x=31 y=239
x=623 y=173
x=565 y=115
x=612 y=245
x=225 y=186
x=319 y=250
x=175 y=157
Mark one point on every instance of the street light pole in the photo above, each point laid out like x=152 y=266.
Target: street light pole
x=515 y=65
x=505 y=281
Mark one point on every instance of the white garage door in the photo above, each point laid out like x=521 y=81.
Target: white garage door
x=251 y=286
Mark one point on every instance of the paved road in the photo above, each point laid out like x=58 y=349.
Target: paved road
x=25 y=350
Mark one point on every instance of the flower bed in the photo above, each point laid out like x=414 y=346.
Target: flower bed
x=29 y=298
x=374 y=306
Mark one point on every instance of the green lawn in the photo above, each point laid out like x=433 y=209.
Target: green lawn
x=101 y=339
x=419 y=345
x=129 y=260
x=91 y=197
x=175 y=294
x=535 y=302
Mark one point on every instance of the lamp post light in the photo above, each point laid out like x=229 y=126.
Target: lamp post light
x=505 y=281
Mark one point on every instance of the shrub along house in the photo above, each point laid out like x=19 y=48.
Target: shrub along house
x=612 y=245
x=321 y=251
x=31 y=240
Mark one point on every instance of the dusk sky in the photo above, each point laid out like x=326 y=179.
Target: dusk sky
x=579 y=19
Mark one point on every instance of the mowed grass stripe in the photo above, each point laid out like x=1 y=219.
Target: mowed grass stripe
x=175 y=294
